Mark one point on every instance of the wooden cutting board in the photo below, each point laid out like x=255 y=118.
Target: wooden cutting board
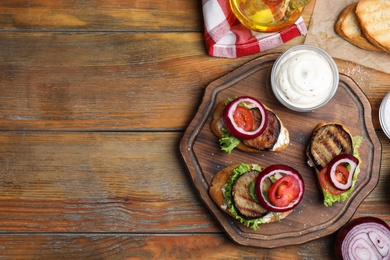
x=311 y=219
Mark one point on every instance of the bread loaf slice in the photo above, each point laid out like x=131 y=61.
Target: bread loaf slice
x=374 y=19
x=348 y=27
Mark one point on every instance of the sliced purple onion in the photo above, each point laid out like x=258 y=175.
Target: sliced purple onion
x=349 y=159
x=364 y=238
x=281 y=170
x=231 y=125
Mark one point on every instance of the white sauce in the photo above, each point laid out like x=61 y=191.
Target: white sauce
x=387 y=116
x=283 y=139
x=384 y=115
x=304 y=78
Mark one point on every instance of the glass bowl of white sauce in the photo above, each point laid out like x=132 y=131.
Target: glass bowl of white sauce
x=384 y=114
x=304 y=78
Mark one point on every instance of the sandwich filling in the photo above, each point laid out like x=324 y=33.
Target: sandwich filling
x=248 y=211
x=328 y=141
x=330 y=198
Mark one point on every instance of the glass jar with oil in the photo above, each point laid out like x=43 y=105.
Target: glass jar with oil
x=267 y=15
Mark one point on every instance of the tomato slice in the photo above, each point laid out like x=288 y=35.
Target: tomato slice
x=283 y=195
x=341 y=174
x=243 y=118
x=284 y=191
x=325 y=182
x=235 y=113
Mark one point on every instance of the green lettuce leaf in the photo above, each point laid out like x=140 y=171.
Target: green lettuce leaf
x=252 y=191
x=228 y=142
x=329 y=199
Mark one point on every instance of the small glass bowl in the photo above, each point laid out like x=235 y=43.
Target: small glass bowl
x=258 y=16
x=299 y=59
x=384 y=114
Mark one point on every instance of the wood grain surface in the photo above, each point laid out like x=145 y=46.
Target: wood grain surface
x=95 y=98
x=204 y=158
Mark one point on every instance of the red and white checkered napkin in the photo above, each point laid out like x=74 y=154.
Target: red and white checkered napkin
x=227 y=37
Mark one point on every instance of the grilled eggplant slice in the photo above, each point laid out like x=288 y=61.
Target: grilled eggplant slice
x=242 y=198
x=328 y=140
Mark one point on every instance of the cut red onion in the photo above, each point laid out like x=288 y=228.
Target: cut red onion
x=343 y=159
x=231 y=125
x=364 y=238
x=263 y=196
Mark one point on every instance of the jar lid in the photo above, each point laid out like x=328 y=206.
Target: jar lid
x=384 y=114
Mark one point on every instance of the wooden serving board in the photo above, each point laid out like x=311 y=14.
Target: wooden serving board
x=311 y=219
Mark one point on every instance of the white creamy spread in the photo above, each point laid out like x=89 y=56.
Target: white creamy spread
x=283 y=139
x=387 y=116
x=267 y=218
x=304 y=78
x=384 y=115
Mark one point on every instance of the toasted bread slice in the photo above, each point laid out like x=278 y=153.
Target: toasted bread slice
x=216 y=188
x=216 y=191
x=328 y=140
x=348 y=27
x=275 y=137
x=374 y=19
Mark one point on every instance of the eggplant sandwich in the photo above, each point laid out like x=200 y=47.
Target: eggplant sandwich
x=248 y=125
x=254 y=195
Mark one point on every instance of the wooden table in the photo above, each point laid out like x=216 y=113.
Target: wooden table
x=95 y=97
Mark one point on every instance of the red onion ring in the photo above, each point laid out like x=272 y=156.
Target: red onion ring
x=270 y=171
x=364 y=238
x=342 y=159
x=231 y=125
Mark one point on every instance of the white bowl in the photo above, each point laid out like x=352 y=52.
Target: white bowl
x=384 y=114
x=304 y=78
